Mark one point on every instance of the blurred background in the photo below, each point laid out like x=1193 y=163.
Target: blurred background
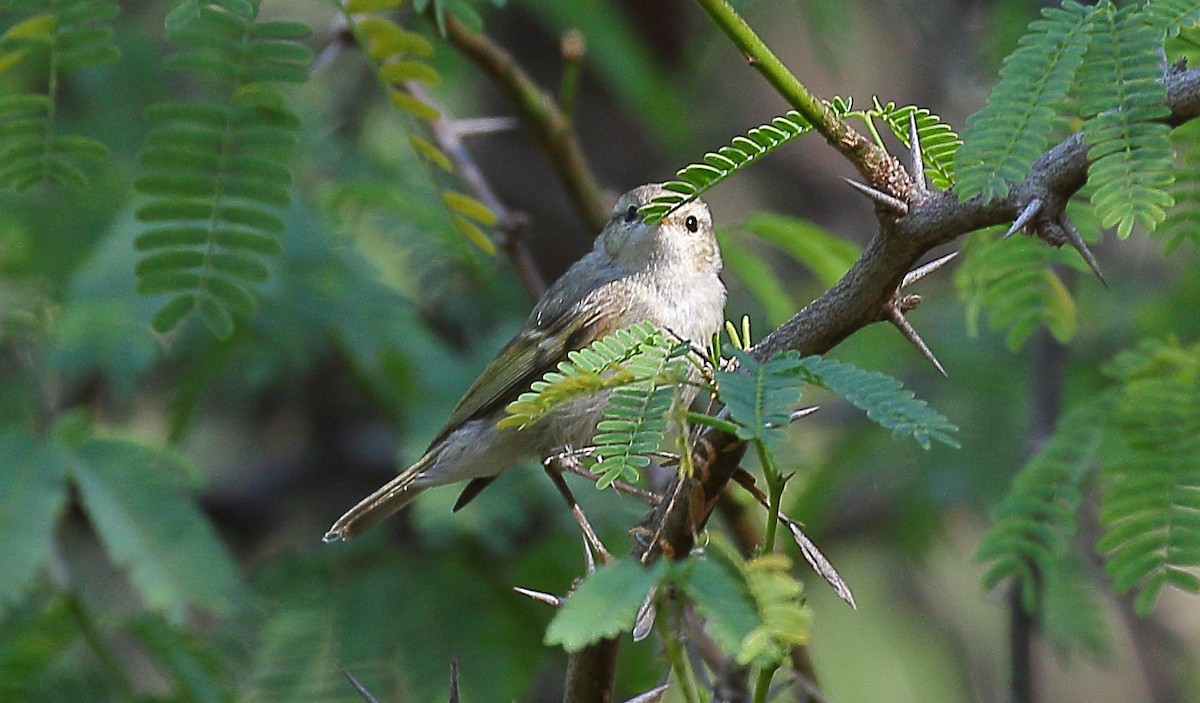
x=377 y=316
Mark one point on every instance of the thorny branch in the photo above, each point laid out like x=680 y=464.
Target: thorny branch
x=928 y=219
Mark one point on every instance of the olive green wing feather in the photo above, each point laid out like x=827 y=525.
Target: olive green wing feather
x=543 y=341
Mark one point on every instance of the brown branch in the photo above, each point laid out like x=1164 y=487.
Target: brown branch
x=855 y=301
x=541 y=114
x=510 y=224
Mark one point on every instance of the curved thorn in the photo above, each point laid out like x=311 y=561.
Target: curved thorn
x=910 y=333
x=362 y=690
x=1031 y=210
x=880 y=198
x=914 y=147
x=803 y=412
x=925 y=269
x=1081 y=247
x=652 y=696
x=540 y=596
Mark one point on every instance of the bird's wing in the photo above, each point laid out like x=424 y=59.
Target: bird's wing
x=549 y=333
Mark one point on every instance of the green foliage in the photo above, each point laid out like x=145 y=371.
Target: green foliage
x=399 y=55
x=754 y=609
x=1017 y=123
x=1102 y=64
x=1030 y=537
x=148 y=523
x=34 y=483
x=939 y=143
x=1182 y=223
x=215 y=172
x=1120 y=97
x=693 y=180
x=602 y=365
x=1014 y=281
x=605 y=604
x=635 y=417
x=643 y=367
x=1141 y=435
x=760 y=396
x=71 y=34
x=1172 y=16
x=883 y=398
x=1152 y=480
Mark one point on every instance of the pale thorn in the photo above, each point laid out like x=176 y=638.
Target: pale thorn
x=644 y=622
x=362 y=690
x=914 y=149
x=901 y=322
x=453 y=698
x=925 y=269
x=818 y=561
x=652 y=696
x=803 y=412
x=589 y=559
x=472 y=126
x=797 y=414
x=1081 y=246
x=892 y=203
x=1027 y=214
x=540 y=596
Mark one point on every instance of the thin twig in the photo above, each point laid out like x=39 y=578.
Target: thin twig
x=541 y=114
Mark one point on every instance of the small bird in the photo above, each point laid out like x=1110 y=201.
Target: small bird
x=665 y=273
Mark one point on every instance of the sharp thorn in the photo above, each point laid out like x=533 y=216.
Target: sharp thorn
x=362 y=690
x=880 y=198
x=803 y=412
x=1031 y=210
x=644 y=622
x=901 y=322
x=1081 y=247
x=925 y=269
x=539 y=596
x=914 y=146
x=589 y=559
x=454 y=681
x=652 y=696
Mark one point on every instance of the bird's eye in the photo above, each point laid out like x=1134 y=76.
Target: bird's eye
x=691 y=223
x=631 y=214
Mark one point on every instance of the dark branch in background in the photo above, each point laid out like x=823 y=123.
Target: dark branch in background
x=510 y=224
x=542 y=115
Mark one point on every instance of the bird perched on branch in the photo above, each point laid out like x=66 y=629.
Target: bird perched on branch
x=664 y=273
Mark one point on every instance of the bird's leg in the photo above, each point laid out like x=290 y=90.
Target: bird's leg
x=554 y=467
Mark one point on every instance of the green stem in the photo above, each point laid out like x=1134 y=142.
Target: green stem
x=870 y=160
x=678 y=657
x=87 y=627
x=774 y=492
x=713 y=422
x=763 y=686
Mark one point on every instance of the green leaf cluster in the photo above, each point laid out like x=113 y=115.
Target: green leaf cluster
x=644 y=369
x=754 y=610
x=1102 y=65
x=215 y=172
x=136 y=499
x=1140 y=438
x=883 y=398
x=400 y=61
x=694 y=179
x=939 y=143
x=1014 y=282
x=72 y=34
x=604 y=605
x=760 y=396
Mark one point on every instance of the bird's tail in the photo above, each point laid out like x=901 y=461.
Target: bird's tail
x=381 y=504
